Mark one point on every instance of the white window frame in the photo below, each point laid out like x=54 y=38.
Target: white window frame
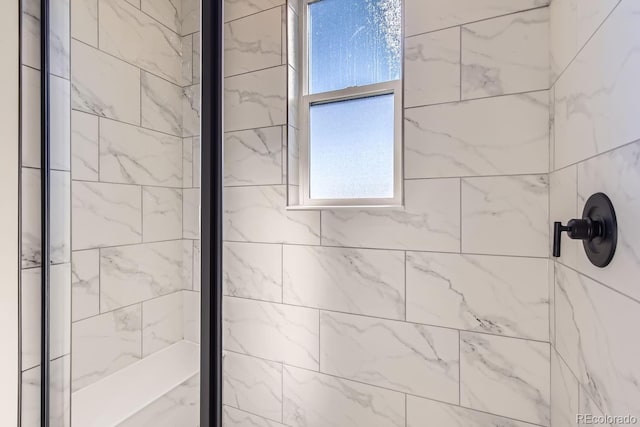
x=394 y=87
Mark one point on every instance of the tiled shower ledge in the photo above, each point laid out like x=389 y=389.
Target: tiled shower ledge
x=119 y=396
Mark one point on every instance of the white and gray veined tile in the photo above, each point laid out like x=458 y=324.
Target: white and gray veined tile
x=276 y=332
x=161 y=104
x=105 y=215
x=253 y=43
x=105 y=344
x=60 y=394
x=564 y=393
x=617 y=174
x=234 y=9
x=253 y=385
x=563 y=206
x=406 y=357
x=359 y=281
x=232 y=417
x=596 y=107
x=161 y=213
x=257 y=99
x=432 y=68
x=429 y=413
x=132 y=155
x=30 y=33
x=197 y=47
x=197 y=166
x=135 y=37
x=312 y=399
x=187 y=162
x=187 y=263
x=501 y=136
x=497 y=295
x=422 y=16
x=253 y=270
x=508 y=54
x=31 y=122
x=60 y=220
x=190 y=16
x=197 y=261
x=131 y=274
x=59 y=38
x=85 y=283
x=506 y=215
x=191 y=110
x=191 y=213
x=104 y=85
x=187 y=59
x=253 y=157
x=84 y=21
x=191 y=305
x=430 y=220
x=515 y=371
x=60 y=123
x=167 y=12
x=277 y=225
x=30 y=208
x=85 y=150
x=593 y=329
x=162 y=322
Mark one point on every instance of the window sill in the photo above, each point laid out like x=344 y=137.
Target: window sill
x=342 y=207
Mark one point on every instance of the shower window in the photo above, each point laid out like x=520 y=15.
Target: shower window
x=351 y=103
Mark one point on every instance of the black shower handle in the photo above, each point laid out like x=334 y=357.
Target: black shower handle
x=577 y=229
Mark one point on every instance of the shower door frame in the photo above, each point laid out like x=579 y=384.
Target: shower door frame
x=211 y=121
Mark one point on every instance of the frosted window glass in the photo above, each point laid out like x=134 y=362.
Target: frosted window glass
x=351 y=149
x=353 y=43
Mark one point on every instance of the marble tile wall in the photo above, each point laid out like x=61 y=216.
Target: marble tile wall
x=125 y=154
x=595 y=60
x=436 y=314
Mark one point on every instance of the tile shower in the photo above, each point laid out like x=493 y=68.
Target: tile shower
x=449 y=312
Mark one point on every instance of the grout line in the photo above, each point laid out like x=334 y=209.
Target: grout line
x=230 y=76
x=485 y=98
x=370 y=316
x=253 y=14
x=99 y=117
x=460 y=65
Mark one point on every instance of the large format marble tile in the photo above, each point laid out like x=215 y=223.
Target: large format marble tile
x=593 y=329
x=253 y=43
x=162 y=322
x=59 y=394
x=132 y=155
x=138 y=39
x=504 y=55
x=85 y=150
x=406 y=357
x=60 y=217
x=104 y=85
x=161 y=214
x=60 y=315
x=617 y=174
x=30 y=33
x=191 y=213
x=59 y=123
x=59 y=38
x=131 y=274
x=572 y=23
x=506 y=215
x=161 y=104
x=105 y=215
x=253 y=270
x=85 y=284
x=187 y=162
x=497 y=295
x=432 y=68
x=197 y=46
x=429 y=413
x=257 y=99
x=191 y=111
x=505 y=376
x=84 y=21
x=501 y=136
x=422 y=16
x=271 y=331
x=596 y=103
x=277 y=225
x=564 y=393
x=31 y=123
x=167 y=12
x=105 y=344
x=190 y=16
x=430 y=220
x=192 y=312
x=253 y=157
x=232 y=417
x=563 y=206
x=359 y=281
x=234 y=9
x=253 y=385
x=312 y=399
x=30 y=209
